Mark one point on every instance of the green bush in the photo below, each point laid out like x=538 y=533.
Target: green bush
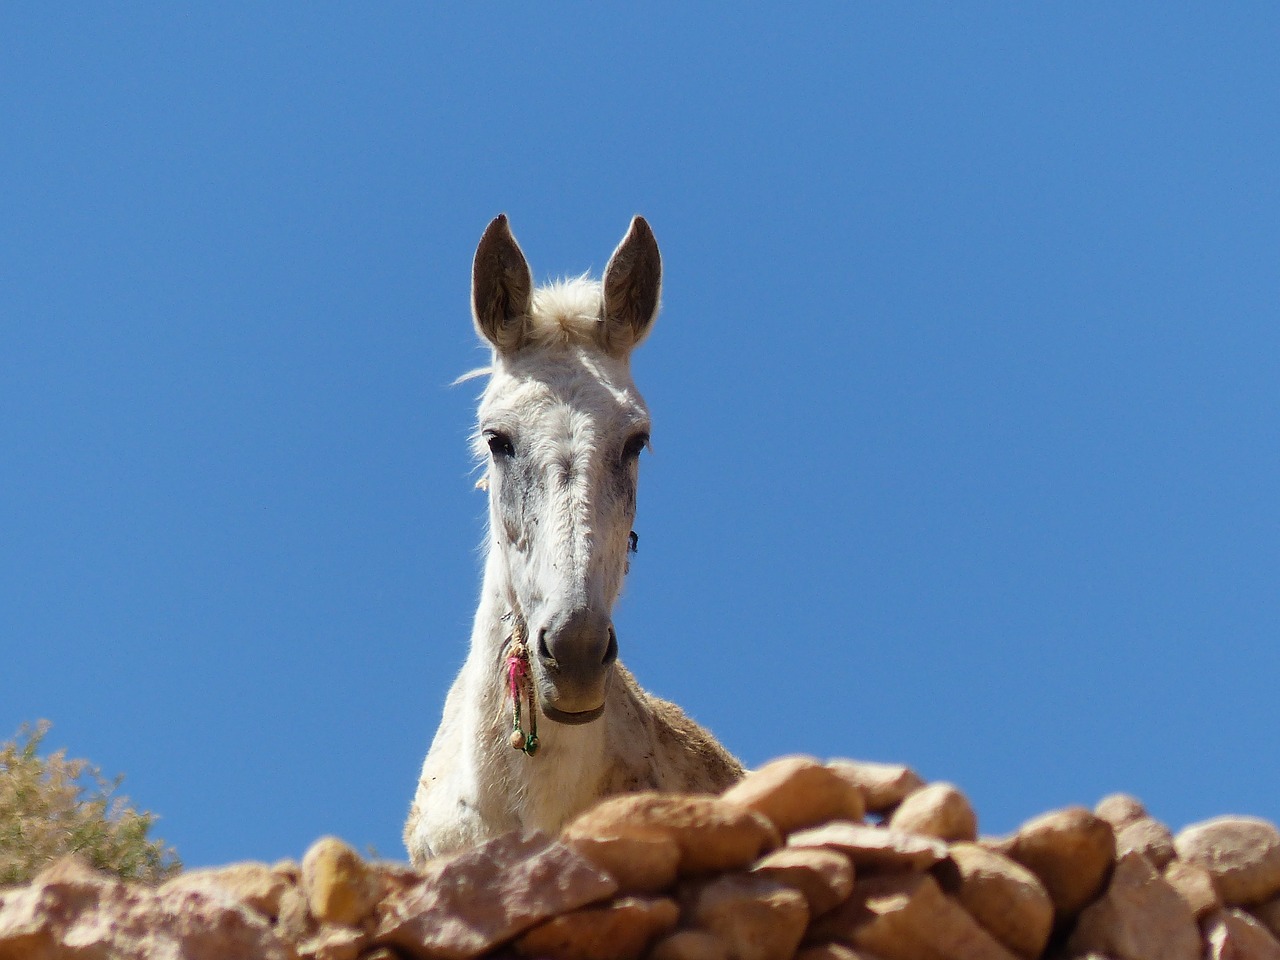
x=53 y=806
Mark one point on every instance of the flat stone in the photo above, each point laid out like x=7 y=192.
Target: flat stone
x=620 y=930
x=1235 y=935
x=874 y=848
x=640 y=864
x=883 y=785
x=906 y=916
x=256 y=885
x=1005 y=898
x=712 y=835
x=468 y=903
x=339 y=885
x=1070 y=851
x=690 y=945
x=1194 y=885
x=1149 y=837
x=938 y=810
x=1140 y=917
x=795 y=792
x=756 y=918
x=824 y=877
x=1242 y=855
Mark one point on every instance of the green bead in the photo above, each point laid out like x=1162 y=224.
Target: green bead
x=531 y=744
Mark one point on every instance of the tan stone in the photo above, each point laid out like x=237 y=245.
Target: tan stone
x=70 y=910
x=1005 y=898
x=1070 y=851
x=938 y=810
x=1149 y=837
x=833 y=951
x=1140 y=917
x=1235 y=935
x=333 y=941
x=874 y=848
x=256 y=885
x=712 y=835
x=1242 y=855
x=295 y=922
x=690 y=945
x=620 y=930
x=339 y=885
x=756 y=918
x=796 y=792
x=1120 y=809
x=906 y=916
x=1268 y=914
x=1194 y=885
x=824 y=877
x=883 y=785
x=639 y=864
x=467 y=904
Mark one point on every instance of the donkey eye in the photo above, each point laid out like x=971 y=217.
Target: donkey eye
x=632 y=448
x=500 y=444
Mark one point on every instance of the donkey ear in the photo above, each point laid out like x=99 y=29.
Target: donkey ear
x=501 y=287
x=632 y=288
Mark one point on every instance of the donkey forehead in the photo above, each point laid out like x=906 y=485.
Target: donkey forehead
x=563 y=392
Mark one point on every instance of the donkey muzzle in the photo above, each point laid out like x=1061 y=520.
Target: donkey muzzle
x=576 y=651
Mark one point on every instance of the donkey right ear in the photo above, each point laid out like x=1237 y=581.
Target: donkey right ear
x=501 y=287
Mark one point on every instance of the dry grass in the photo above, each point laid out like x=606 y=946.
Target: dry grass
x=51 y=806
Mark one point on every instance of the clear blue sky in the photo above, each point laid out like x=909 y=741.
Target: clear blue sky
x=966 y=389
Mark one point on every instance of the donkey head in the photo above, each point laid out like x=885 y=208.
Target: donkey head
x=562 y=427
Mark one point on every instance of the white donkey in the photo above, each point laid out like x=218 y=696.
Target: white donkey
x=561 y=426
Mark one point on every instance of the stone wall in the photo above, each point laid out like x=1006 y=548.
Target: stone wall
x=842 y=861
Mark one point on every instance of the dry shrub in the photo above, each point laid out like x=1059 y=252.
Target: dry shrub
x=51 y=806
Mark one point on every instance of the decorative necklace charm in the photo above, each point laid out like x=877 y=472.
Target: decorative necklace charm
x=520 y=684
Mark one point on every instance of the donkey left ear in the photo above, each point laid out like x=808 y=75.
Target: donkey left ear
x=632 y=288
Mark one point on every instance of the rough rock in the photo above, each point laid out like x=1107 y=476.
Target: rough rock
x=339 y=885
x=640 y=864
x=470 y=902
x=1235 y=935
x=256 y=885
x=1071 y=852
x=907 y=917
x=1149 y=837
x=620 y=930
x=70 y=910
x=756 y=918
x=1005 y=898
x=883 y=785
x=1194 y=885
x=1242 y=855
x=824 y=877
x=1140 y=917
x=875 y=848
x=690 y=945
x=938 y=810
x=712 y=835
x=796 y=792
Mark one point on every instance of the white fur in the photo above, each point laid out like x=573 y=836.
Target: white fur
x=570 y=406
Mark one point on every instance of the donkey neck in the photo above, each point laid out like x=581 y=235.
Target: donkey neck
x=542 y=791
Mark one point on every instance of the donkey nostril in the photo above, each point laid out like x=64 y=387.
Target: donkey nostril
x=611 y=651
x=543 y=651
